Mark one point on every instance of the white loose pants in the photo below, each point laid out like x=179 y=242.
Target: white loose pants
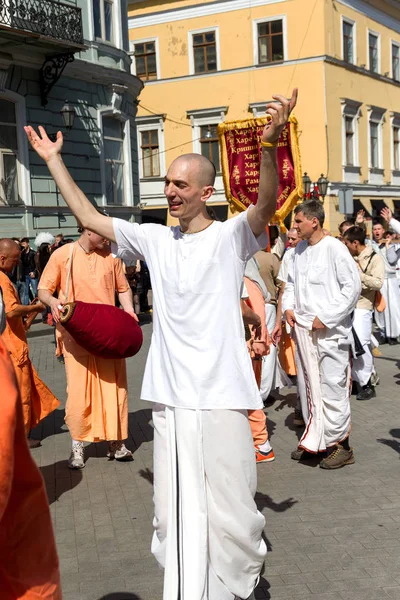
x=324 y=369
x=363 y=366
x=207 y=527
x=269 y=362
x=388 y=321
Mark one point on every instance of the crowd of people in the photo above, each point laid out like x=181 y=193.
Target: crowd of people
x=236 y=316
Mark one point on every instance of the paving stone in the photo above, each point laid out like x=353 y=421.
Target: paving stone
x=333 y=535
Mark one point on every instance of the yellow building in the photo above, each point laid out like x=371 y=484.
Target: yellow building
x=206 y=62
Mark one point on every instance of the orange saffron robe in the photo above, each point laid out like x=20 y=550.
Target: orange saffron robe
x=97 y=403
x=257 y=418
x=37 y=400
x=28 y=557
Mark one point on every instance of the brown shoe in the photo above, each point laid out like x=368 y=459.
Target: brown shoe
x=338 y=458
x=298 y=420
x=33 y=443
x=300 y=454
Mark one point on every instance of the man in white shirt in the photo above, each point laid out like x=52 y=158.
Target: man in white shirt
x=320 y=295
x=198 y=373
x=372 y=273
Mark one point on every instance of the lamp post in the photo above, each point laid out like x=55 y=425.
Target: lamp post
x=319 y=188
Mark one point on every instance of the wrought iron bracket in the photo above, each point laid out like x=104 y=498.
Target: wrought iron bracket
x=51 y=71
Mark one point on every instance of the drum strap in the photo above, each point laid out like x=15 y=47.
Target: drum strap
x=69 y=272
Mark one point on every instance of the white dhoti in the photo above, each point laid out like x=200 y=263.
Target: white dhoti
x=269 y=362
x=388 y=321
x=207 y=527
x=363 y=366
x=324 y=366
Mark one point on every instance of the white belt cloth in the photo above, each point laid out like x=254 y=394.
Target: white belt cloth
x=207 y=527
x=269 y=361
x=389 y=320
x=324 y=369
x=363 y=366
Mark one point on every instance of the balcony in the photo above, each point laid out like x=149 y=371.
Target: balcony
x=47 y=19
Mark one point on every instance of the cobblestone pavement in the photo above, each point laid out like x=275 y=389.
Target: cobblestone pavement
x=332 y=535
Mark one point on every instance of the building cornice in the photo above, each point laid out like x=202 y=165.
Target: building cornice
x=323 y=58
x=92 y=72
x=373 y=13
x=196 y=10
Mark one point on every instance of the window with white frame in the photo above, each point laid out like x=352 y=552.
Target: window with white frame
x=396 y=147
x=204 y=51
x=210 y=145
x=205 y=137
x=103 y=20
x=114 y=159
x=145 y=58
x=395 y=62
x=270 y=41
x=150 y=153
x=376 y=118
x=373 y=52
x=8 y=154
x=348 y=41
x=351 y=113
x=350 y=137
x=150 y=136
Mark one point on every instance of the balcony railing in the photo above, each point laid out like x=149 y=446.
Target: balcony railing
x=46 y=17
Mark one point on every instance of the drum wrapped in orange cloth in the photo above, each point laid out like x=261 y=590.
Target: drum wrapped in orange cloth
x=102 y=329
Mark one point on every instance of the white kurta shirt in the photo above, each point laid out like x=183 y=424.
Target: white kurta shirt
x=198 y=356
x=284 y=268
x=323 y=282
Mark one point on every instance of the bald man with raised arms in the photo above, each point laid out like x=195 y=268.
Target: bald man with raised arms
x=208 y=531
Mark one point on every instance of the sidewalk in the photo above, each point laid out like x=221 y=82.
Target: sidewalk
x=332 y=535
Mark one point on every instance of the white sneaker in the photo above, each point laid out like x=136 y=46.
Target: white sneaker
x=77 y=458
x=119 y=451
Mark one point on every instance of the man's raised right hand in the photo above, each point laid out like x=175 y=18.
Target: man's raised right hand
x=42 y=143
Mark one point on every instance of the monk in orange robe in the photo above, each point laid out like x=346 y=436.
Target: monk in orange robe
x=28 y=557
x=97 y=403
x=37 y=400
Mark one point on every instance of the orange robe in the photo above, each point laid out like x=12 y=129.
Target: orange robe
x=37 y=400
x=97 y=403
x=257 y=418
x=28 y=557
x=287 y=352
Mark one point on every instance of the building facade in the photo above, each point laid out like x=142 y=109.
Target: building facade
x=224 y=59
x=58 y=61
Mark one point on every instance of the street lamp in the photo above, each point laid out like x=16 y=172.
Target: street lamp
x=68 y=113
x=319 y=188
x=322 y=186
x=306 y=184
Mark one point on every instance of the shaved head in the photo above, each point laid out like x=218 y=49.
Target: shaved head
x=202 y=168
x=8 y=245
x=9 y=255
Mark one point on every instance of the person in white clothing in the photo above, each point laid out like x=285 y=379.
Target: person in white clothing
x=372 y=273
x=320 y=295
x=208 y=531
x=393 y=252
x=387 y=321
